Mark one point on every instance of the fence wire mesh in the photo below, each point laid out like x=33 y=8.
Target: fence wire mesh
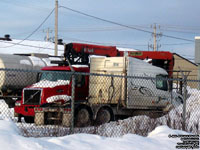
x=50 y=103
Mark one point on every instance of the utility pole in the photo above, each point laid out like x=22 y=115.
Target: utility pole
x=56 y=28
x=154 y=38
x=47 y=36
x=155 y=35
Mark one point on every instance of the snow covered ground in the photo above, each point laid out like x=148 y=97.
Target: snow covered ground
x=10 y=139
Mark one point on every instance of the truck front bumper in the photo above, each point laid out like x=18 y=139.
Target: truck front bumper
x=63 y=115
x=25 y=110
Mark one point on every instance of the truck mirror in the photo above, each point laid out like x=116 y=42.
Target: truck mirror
x=80 y=80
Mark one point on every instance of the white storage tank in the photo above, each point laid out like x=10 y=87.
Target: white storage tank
x=18 y=79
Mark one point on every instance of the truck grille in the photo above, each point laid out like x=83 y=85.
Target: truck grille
x=32 y=96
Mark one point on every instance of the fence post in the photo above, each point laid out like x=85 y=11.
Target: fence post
x=184 y=76
x=72 y=104
x=184 y=102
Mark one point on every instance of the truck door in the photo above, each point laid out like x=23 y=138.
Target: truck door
x=144 y=93
x=81 y=87
x=162 y=90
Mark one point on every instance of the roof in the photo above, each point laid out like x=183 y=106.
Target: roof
x=185 y=59
x=29 y=46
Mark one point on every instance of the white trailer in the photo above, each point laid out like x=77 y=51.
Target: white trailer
x=145 y=92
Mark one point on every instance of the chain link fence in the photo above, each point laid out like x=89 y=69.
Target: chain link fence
x=58 y=103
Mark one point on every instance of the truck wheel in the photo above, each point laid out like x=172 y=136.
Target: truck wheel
x=29 y=119
x=104 y=115
x=82 y=118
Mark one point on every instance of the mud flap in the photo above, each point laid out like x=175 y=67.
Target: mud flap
x=66 y=120
x=39 y=118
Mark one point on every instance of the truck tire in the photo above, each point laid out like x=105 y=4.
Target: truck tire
x=104 y=115
x=39 y=118
x=82 y=118
x=29 y=119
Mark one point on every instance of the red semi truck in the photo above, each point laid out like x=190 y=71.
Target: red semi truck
x=37 y=95
x=49 y=103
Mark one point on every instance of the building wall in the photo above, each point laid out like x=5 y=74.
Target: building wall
x=185 y=65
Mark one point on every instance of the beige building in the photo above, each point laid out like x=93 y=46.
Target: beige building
x=186 y=66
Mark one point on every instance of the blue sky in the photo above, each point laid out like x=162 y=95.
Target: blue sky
x=179 y=18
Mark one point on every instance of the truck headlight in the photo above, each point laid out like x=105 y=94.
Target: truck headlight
x=17 y=103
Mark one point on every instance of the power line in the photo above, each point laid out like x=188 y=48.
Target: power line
x=93 y=29
x=112 y=22
x=177 y=43
x=98 y=29
x=116 y=44
x=33 y=31
x=87 y=41
x=101 y=43
x=181 y=27
x=187 y=32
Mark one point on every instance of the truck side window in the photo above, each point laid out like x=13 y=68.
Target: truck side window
x=80 y=80
x=161 y=83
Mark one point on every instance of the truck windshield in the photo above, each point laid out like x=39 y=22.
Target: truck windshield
x=54 y=76
x=161 y=82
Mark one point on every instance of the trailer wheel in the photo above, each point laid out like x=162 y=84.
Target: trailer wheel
x=104 y=115
x=29 y=119
x=82 y=118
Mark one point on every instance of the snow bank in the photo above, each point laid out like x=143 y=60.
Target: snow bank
x=158 y=139
x=142 y=125
x=50 y=84
x=192 y=113
x=5 y=112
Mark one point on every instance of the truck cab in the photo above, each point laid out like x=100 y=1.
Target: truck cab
x=53 y=86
